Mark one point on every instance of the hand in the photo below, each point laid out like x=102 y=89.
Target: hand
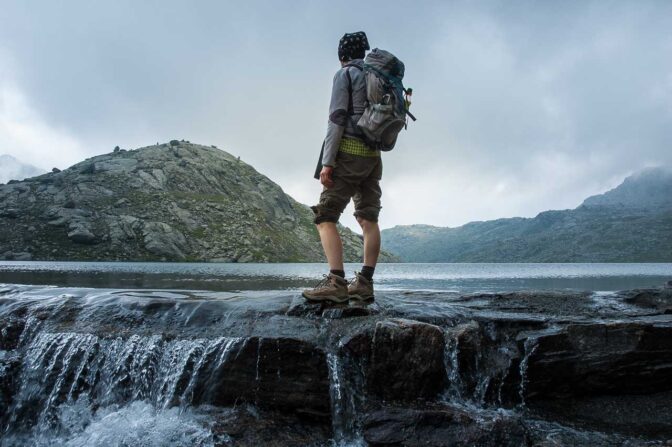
x=325 y=176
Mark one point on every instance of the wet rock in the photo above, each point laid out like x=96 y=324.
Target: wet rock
x=276 y=373
x=629 y=415
x=483 y=359
x=401 y=359
x=11 y=328
x=565 y=380
x=9 y=370
x=659 y=299
x=441 y=426
x=248 y=426
x=597 y=359
x=300 y=307
x=349 y=311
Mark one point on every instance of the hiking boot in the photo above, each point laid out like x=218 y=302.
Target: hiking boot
x=332 y=288
x=360 y=288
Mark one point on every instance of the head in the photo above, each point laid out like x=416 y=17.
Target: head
x=352 y=46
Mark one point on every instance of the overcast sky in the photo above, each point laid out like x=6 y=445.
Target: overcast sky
x=521 y=106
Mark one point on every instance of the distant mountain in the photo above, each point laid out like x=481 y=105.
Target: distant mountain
x=649 y=189
x=631 y=223
x=173 y=202
x=13 y=169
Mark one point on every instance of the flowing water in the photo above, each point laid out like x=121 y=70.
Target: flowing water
x=81 y=389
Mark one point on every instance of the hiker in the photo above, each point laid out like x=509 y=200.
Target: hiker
x=348 y=168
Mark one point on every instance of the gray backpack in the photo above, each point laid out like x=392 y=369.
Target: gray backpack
x=388 y=100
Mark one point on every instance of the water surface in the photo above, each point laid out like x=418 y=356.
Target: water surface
x=462 y=278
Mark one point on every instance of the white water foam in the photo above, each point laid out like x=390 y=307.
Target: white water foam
x=137 y=424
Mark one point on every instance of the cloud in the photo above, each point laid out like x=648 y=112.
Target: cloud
x=522 y=106
x=26 y=136
x=537 y=110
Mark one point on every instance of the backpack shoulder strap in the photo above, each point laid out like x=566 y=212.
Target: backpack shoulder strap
x=351 y=108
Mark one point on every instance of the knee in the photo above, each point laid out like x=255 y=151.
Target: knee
x=326 y=226
x=367 y=225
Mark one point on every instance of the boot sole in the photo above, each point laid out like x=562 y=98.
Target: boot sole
x=331 y=298
x=362 y=297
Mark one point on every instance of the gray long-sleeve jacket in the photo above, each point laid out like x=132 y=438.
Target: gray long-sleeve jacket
x=340 y=123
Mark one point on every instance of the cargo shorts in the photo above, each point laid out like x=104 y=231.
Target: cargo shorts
x=355 y=177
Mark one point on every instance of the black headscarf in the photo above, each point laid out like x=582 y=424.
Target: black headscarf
x=353 y=46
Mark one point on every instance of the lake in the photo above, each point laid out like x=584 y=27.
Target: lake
x=460 y=278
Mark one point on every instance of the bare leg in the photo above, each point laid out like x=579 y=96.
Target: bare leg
x=332 y=244
x=371 y=241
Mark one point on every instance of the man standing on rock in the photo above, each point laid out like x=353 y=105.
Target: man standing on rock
x=348 y=168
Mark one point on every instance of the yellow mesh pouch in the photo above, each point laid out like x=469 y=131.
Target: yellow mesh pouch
x=356 y=147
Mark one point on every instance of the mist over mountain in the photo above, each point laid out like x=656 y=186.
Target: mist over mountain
x=13 y=169
x=649 y=189
x=630 y=223
x=173 y=202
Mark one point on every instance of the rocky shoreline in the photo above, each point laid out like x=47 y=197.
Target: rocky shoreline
x=412 y=368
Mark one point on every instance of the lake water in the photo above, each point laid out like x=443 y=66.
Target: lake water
x=461 y=278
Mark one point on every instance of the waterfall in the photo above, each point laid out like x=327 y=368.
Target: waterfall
x=455 y=390
x=343 y=405
x=478 y=369
x=59 y=368
x=528 y=350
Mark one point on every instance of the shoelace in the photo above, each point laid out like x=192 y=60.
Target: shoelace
x=355 y=280
x=324 y=282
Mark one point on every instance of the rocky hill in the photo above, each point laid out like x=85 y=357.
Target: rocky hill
x=631 y=223
x=169 y=202
x=13 y=169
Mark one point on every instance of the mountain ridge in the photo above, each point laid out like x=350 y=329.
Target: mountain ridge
x=175 y=201
x=630 y=223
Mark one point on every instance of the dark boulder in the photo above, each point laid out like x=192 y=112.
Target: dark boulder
x=401 y=359
x=441 y=426
x=272 y=373
x=599 y=358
